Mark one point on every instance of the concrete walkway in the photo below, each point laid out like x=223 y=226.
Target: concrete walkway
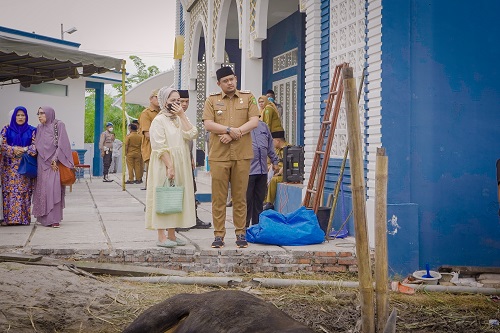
x=103 y=222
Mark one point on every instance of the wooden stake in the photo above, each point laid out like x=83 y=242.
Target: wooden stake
x=358 y=203
x=381 y=265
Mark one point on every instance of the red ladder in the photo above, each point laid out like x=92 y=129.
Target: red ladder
x=315 y=186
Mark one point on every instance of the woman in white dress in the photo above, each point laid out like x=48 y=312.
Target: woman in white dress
x=170 y=133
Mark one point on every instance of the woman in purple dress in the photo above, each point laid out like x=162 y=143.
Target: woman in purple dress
x=17 y=139
x=52 y=145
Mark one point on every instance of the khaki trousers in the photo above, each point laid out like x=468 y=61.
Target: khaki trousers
x=272 y=188
x=135 y=166
x=222 y=173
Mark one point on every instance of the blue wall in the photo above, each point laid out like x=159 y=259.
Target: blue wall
x=440 y=117
x=282 y=37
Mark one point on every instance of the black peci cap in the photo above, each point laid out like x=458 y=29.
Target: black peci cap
x=278 y=135
x=223 y=72
x=183 y=93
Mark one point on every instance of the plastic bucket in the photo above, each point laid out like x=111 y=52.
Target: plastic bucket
x=419 y=275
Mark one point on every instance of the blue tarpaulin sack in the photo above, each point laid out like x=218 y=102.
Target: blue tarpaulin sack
x=296 y=228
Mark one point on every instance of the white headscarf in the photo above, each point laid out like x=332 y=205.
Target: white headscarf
x=163 y=94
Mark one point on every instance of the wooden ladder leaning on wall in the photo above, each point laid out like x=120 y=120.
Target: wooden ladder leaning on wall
x=316 y=184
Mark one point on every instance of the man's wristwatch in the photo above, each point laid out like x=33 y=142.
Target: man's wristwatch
x=25 y=149
x=228 y=130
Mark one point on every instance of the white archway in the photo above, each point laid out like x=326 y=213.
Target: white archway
x=220 y=37
x=199 y=31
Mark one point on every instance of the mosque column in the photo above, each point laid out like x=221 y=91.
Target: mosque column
x=98 y=125
x=251 y=65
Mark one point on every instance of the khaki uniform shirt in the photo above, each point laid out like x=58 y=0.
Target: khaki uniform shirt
x=133 y=143
x=271 y=118
x=106 y=140
x=230 y=112
x=145 y=119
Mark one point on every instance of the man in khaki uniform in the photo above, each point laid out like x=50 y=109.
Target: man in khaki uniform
x=135 y=164
x=230 y=116
x=279 y=143
x=145 y=120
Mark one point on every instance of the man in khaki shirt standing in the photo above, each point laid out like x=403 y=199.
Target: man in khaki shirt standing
x=145 y=120
x=135 y=164
x=230 y=116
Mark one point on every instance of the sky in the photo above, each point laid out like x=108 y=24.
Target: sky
x=114 y=28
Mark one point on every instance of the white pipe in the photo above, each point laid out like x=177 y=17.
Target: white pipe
x=278 y=283
x=200 y=280
x=454 y=289
x=293 y=282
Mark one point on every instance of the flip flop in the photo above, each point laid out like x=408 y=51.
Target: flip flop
x=179 y=242
x=168 y=243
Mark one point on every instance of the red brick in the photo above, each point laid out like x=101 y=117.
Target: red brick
x=303 y=261
x=325 y=260
x=336 y=268
x=348 y=261
x=345 y=254
x=353 y=268
x=326 y=254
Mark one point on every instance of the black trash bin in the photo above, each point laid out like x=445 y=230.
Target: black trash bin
x=323 y=216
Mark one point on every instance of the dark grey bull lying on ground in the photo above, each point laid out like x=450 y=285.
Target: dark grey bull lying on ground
x=217 y=311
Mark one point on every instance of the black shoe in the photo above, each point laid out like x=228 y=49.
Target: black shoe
x=144 y=189
x=241 y=241
x=182 y=229
x=218 y=242
x=229 y=204
x=129 y=182
x=138 y=181
x=268 y=205
x=201 y=225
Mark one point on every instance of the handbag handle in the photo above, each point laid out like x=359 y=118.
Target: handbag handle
x=172 y=184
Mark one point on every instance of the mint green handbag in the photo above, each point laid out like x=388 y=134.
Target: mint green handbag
x=169 y=199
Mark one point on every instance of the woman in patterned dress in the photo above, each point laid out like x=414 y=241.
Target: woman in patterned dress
x=17 y=138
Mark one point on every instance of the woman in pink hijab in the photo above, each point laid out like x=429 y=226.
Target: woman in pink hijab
x=52 y=145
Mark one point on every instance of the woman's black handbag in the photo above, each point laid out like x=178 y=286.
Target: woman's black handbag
x=27 y=166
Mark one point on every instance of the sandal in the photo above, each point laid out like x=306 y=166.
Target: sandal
x=166 y=243
x=179 y=242
x=55 y=225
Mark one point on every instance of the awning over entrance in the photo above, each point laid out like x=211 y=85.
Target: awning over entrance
x=139 y=94
x=29 y=63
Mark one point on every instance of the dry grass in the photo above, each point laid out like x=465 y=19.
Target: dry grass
x=324 y=308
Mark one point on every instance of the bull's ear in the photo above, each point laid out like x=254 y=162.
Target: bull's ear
x=390 y=325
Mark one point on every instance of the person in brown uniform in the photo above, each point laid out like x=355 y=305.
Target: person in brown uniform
x=279 y=143
x=133 y=153
x=230 y=116
x=145 y=119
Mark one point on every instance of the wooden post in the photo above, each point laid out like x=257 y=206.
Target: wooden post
x=381 y=268
x=124 y=126
x=358 y=203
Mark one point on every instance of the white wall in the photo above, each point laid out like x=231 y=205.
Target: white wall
x=69 y=109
